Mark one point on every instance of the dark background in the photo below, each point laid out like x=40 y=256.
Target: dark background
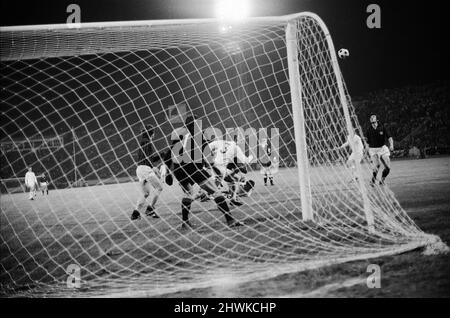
x=409 y=49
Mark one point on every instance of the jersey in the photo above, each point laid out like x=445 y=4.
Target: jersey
x=30 y=179
x=43 y=179
x=225 y=152
x=377 y=138
x=186 y=160
x=265 y=155
x=145 y=153
x=357 y=145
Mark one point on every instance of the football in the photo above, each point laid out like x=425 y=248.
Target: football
x=343 y=53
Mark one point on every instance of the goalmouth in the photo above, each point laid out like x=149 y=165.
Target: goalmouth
x=103 y=82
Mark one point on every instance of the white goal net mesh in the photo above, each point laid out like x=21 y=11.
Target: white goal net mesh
x=96 y=87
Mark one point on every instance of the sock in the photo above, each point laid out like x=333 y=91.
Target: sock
x=374 y=175
x=271 y=180
x=265 y=180
x=185 y=208
x=385 y=172
x=223 y=207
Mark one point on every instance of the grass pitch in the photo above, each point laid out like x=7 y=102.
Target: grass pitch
x=100 y=232
x=423 y=189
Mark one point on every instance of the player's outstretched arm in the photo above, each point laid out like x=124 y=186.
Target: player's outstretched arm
x=345 y=144
x=391 y=144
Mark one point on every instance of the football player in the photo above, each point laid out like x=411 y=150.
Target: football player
x=189 y=166
x=31 y=183
x=44 y=183
x=229 y=164
x=357 y=154
x=267 y=162
x=378 y=139
x=148 y=176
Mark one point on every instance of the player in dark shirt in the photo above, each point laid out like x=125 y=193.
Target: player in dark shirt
x=377 y=138
x=147 y=174
x=266 y=161
x=187 y=162
x=44 y=182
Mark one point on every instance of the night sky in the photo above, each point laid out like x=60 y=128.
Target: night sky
x=410 y=47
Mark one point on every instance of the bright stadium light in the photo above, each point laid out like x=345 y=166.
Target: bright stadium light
x=232 y=10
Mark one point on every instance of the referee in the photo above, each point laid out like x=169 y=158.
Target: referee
x=378 y=140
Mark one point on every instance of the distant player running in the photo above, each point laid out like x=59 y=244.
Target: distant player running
x=147 y=176
x=357 y=154
x=186 y=161
x=377 y=138
x=229 y=162
x=31 y=183
x=44 y=182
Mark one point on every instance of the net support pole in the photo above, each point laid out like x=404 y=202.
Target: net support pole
x=299 y=121
x=350 y=130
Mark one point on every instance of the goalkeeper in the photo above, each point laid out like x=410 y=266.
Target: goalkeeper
x=148 y=176
x=181 y=160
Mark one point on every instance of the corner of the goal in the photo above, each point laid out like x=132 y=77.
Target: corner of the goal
x=435 y=246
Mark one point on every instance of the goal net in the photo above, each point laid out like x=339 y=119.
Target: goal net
x=274 y=79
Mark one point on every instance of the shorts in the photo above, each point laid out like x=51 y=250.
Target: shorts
x=246 y=189
x=31 y=186
x=147 y=174
x=355 y=156
x=44 y=185
x=381 y=151
x=268 y=170
x=237 y=167
x=266 y=164
x=190 y=173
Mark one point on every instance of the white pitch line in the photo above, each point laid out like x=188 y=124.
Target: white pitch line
x=325 y=290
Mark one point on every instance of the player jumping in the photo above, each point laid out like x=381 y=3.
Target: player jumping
x=147 y=176
x=31 y=182
x=229 y=162
x=377 y=138
x=188 y=169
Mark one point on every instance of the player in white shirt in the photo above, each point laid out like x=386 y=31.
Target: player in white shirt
x=31 y=183
x=357 y=147
x=229 y=161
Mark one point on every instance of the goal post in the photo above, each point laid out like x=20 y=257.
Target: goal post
x=349 y=125
x=299 y=120
x=103 y=82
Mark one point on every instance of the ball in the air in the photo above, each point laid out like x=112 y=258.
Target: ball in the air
x=343 y=53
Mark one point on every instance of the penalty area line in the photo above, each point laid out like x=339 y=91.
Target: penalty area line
x=323 y=291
